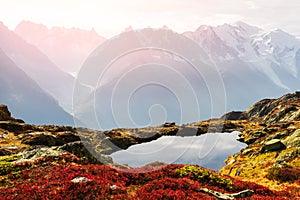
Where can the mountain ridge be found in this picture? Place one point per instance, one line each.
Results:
(38, 67)
(24, 96)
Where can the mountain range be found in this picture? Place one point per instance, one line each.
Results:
(254, 64)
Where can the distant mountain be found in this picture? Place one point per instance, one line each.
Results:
(38, 67)
(26, 99)
(254, 63)
(67, 48)
(131, 92)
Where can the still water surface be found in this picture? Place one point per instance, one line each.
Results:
(209, 150)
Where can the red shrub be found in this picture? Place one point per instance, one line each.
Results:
(284, 174)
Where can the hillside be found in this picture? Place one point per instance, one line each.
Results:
(272, 157)
(53, 161)
(38, 67)
(24, 96)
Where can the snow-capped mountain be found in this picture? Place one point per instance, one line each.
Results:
(273, 53)
(67, 48)
(253, 63)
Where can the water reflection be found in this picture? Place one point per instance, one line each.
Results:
(209, 150)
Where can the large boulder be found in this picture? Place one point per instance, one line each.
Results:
(273, 145)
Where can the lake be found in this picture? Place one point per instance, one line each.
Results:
(209, 150)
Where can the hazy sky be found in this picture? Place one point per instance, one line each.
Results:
(109, 17)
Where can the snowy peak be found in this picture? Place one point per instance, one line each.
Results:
(242, 26)
(281, 39)
(274, 54)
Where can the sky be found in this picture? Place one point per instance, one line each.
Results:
(110, 17)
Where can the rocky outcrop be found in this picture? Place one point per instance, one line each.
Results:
(285, 108)
(273, 145)
(36, 153)
(5, 115)
(234, 115)
(49, 139)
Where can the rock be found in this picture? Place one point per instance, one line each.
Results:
(4, 113)
(273, 145)
(80, 180)
(16, 127)
(225, 196)
(156, 164)
(280, 135)
(169, 124)
(250, 137)
(234, 115)
(250, 140)
(38, 152)
(50, 139)
(243, 194)
(293, 140)
(114, 187)
(283, 109)
(39, 139)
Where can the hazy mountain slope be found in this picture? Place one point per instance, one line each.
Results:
(26, 99)
(38, 67)
(67, 48)
(254, 64)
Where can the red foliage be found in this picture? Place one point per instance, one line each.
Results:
(171, 188)
(51, 178)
